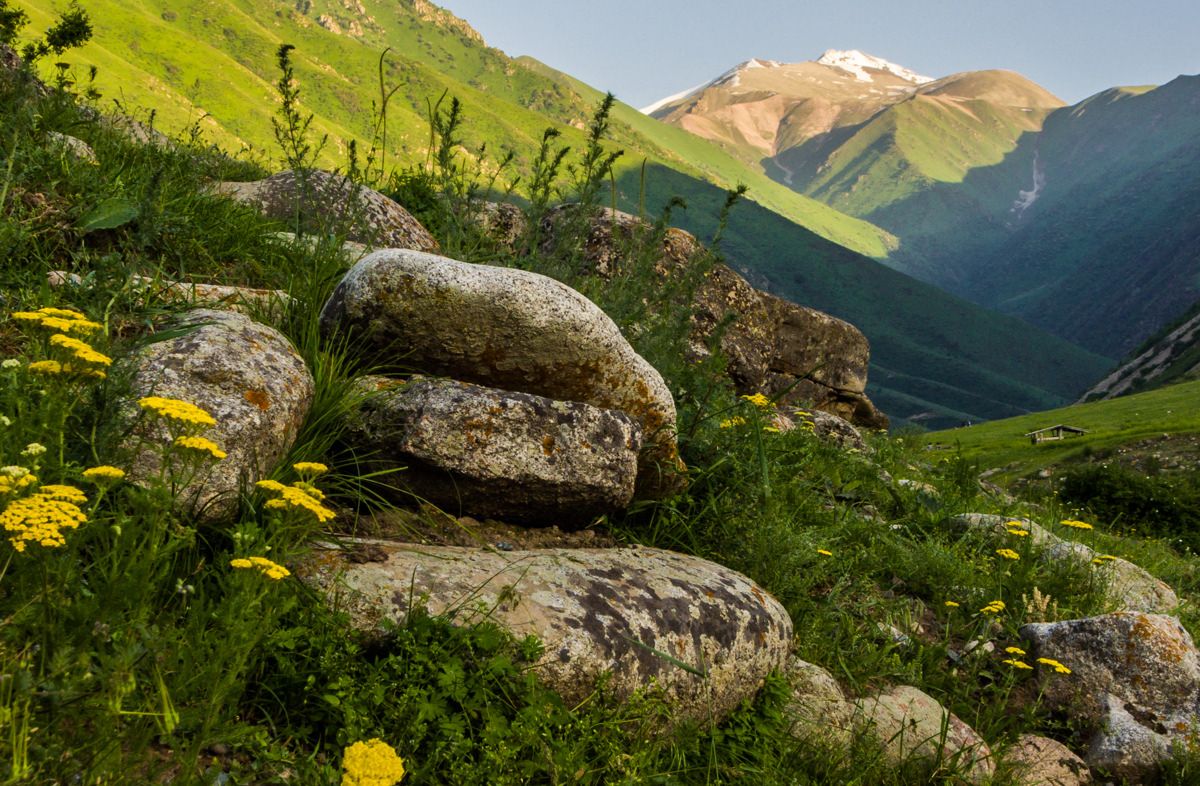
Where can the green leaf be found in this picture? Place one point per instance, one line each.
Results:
(109, 214)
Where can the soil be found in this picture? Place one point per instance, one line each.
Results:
(430, 526)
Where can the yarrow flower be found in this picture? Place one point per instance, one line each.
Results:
(310, 468)
(15, 479)
(82, 351)
(825, 552)
(298, 497)
(1052, 663)
(271, 570)
(104, 473)
(59, 319)
(33, 449)
(736, 420)
(174, 409)
(201, 445)
(1100, 559)
(758, 400)
(40, 519)
(62, 493)
(10, 363)
(1008, 554)
(1017, 664)
(1075, 524)
(951, 604)
(371, 763)
(1014, 650)
(1020, 533)
(995, 607)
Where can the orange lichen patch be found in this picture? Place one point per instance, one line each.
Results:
(258, 399)
(548, 445)
(1169, 647)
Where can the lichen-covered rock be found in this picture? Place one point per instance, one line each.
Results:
(999, 526)
(1041, 761)
(818, 709)
(1127, 586)
(508, 329)
(831, 428)
(621, 612)
(325, 200)
(74, 146)
(505, 223)
(490, 453)
(247, 300)
(246, 375)
(911, 725)
(1134, 683)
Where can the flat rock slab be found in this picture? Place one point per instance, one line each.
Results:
(625, 612)
(1134, 682)
(489, 453)
(248, 376)
(911, 725)
(508, 329)
(325, 200)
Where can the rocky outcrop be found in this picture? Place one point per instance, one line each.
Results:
(1171, 357)
(488, 452)
(792, 353)
(831, 428)
(1134, 684)
(326, 202)
(1041, 761)
(818, 709)
(701, 634)
(247, 376)
(74, 146)
(508, 329)
(910, 725)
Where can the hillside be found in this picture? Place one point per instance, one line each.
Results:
(1170, 356)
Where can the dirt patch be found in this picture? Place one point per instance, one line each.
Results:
(430, 526)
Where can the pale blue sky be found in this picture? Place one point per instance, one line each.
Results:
(643, 50)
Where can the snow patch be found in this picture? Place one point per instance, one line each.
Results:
(1025, 199)
(731, 78)
(856, 63)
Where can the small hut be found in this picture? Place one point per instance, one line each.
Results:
(1052, 433)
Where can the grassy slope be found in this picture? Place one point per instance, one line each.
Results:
(1109, 423)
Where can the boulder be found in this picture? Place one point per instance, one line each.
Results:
(247, 300)
(74, 146)
(913, 726)
(1127, 586)
(326, 200)
(505, 223)
(1041, 761)
(508, 329)
(246, 375)
(998, 525)
(634, 618)
(490, 453)
(831, 428)
(1134, 685)
(818, 709)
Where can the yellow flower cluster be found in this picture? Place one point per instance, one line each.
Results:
(371, 763)
(41, 518)
(1017, 664)
(758, 400)
(104, 473)
(825, 552)
(200, 445)
(951, 604)
(59, 319)
(995, 607)
(14, 479)
(80, 350)
(1016, 528)
(1100, 559)
(736, 420)
(1075, 524)
(298, 496)
(1052, 663)
(310, 468)
(1014, 650)
(271, 570)
(1008, 554)
(181, 412)
(62, 493)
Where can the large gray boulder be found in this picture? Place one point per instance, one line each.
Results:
(490, 453)
(818, 710)
(633, 614)
(508, 329)
(326, 201)
(1134, 685)
(1041, 761)
(913, 726)
(247, 376)
(1128, 587)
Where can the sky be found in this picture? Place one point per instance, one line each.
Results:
(643, 50)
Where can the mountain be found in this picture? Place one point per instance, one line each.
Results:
(1079, 219)
(211, 64)
(1171, 356)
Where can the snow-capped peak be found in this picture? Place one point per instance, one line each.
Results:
(729, 78)
(855, 62)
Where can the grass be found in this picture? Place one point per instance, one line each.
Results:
(138, 651)
(1111, 423)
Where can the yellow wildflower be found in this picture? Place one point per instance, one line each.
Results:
(310, 468)
(995, 607)
(62, 493)
(1020, 533)
(1058, 667)
(1017, 664)
(40, 519)
(104, 473)
(179, 411)
(294, 498)
(1008, 554)
(15, 479)
(951, 604)
(1075, 524)
(310, 490)
(1105, 557)
(371, 763)
(68, 313)
(825, 552)
(271, 485)
(736, 420)
(46, 367)
(1014, 650)
(758, 400)
(200, 445)
(271, 570)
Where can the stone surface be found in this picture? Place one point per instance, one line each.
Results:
(1134, 683)
(484, 452)
(1041, 761)
(243, 299)
(1128, 587)
(332, 200)
(246, 375)
(596, 611)
(911, 725)
(818, 709)
(76, 147)
(832, 429)
(505, 223)
(997, 525)
(508, 329)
